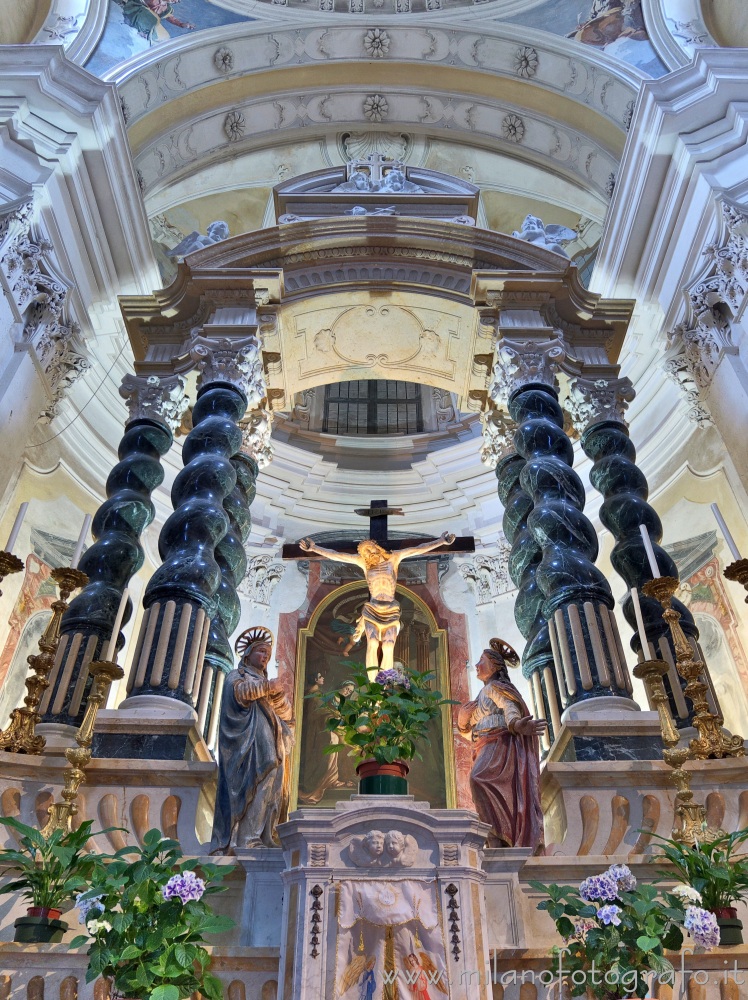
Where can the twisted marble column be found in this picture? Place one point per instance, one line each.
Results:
(156, 405)
(597, 409)
(586, 661)
(499, 453)
(232, 561)
(190, 601)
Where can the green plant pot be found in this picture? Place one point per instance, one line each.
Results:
(39, 930)
(382, 779)
(730, 928)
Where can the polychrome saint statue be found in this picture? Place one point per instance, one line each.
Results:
(505, 778)
(255, 741)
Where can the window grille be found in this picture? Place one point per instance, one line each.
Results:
(373, 406)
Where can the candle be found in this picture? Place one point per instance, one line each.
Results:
(640, 622)
(723, 528)
(111, 651)
(81, 539)
(650, 552)
(16, 527)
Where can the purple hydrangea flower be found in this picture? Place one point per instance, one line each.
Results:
(390, 678)
(186, 886)
(595, 887)
(622, 874)
(88, 908)
(702, 926)
(609, 914)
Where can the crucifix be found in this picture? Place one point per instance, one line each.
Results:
(380, 617)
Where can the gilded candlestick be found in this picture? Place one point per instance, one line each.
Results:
(9, 564)
(21, 735)
(712, 741)
(738, 571)
(690, 817)
(652, 673)
(61, 813)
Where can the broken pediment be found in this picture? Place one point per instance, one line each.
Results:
(376, 186)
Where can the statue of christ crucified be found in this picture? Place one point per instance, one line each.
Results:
(380, 618)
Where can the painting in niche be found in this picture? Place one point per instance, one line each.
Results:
(615, 27)
(30, 613)
(327, 778)
(134, 26)
(703, 591)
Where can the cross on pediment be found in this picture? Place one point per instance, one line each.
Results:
(376, 165)
(379, 512)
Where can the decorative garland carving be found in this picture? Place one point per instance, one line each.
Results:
(696, 346)
(40, 298)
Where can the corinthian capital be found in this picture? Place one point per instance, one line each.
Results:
(155, 397)
(236, 362)
(519, 363)
(593, 400)
(498, 437)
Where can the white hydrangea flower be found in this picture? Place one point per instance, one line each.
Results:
(686, 892)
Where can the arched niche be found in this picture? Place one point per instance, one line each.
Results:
(321, 645)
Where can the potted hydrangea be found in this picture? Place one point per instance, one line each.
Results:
(146, 915)
(616, 931)
(381, 722)
(713, 876)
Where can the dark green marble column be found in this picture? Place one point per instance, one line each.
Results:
(597, 408)
(116, 555)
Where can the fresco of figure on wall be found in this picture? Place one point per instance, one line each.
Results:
(145, 16)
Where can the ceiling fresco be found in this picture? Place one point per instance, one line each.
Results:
(615, 27)
(134, 26)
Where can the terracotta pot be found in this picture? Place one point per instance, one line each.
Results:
(44, 911)
(382, 779)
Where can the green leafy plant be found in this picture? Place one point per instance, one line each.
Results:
(49, 870)
(146, 915)
(616, 932)
(382, 719)
(710, 868)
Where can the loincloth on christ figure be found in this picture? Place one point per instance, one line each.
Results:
(380, 617)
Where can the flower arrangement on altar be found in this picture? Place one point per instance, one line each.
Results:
(713, 876)
(616, 931)
(146, 915)
(383, 718)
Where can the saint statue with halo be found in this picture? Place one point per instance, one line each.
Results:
(505, 778)
(255, 739)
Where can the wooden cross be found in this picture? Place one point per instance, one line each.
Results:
(378, 512)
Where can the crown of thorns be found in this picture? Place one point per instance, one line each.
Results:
(505, 651)
(251, 637)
